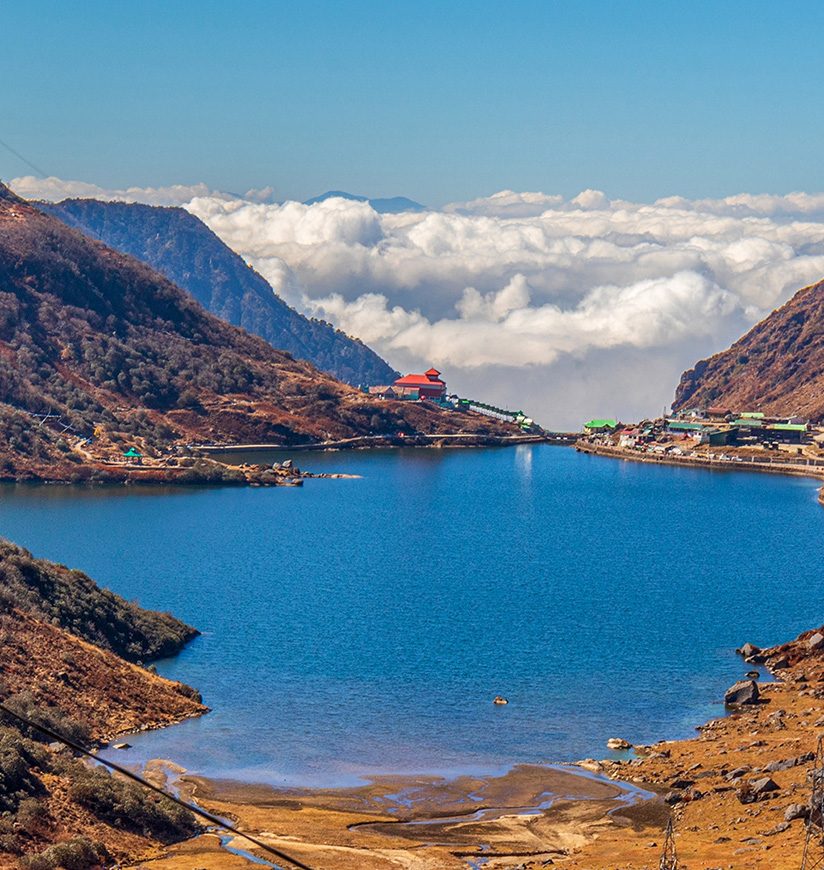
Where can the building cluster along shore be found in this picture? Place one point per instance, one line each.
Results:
(714, 438)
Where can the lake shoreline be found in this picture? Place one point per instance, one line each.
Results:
(530, 813)
(586, 815)
(785, 468)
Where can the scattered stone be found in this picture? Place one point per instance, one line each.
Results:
(672, 797)
(778, 829)
(788, 763)
(737, 773)
(796, 811)
(780, 663)
(618, 744)
(742, 692)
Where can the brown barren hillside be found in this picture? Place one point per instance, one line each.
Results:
(777, 367)
(95, 343)
(63, 665)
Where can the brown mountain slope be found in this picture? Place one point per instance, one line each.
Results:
(54, 810)
(97, 343)
(777, 367)
(68, 643)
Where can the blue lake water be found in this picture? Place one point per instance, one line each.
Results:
(355, 627)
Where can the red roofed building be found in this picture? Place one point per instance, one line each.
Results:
(427, 386)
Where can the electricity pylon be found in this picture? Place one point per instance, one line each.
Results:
(813, 858)
(669, 857)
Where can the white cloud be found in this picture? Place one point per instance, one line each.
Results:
(55, 189)
(564, 307)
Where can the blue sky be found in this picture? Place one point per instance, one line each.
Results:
(437, 101)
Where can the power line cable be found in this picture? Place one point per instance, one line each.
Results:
(28, 163)
(214, 820)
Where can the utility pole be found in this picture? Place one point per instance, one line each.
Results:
(813, 858)
(669, 857)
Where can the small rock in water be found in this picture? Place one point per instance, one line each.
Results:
(500, 700)
(618, 744)
(121, 746)
(748, 649)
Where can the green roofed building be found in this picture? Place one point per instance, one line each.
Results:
(752, 415)
(749, 422)
(606, 425)
(684, 426)
(789, 433)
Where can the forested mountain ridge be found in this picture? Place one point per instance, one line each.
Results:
(183, 249)
(96, 346)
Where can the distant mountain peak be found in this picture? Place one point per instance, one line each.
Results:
(382, 205)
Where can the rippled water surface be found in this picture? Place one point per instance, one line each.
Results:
(362, 626)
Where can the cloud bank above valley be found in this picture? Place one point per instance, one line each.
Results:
(566, 307)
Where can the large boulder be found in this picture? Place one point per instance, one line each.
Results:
(816, 642)
(759, 789)
(764, 786)
(743, 692)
